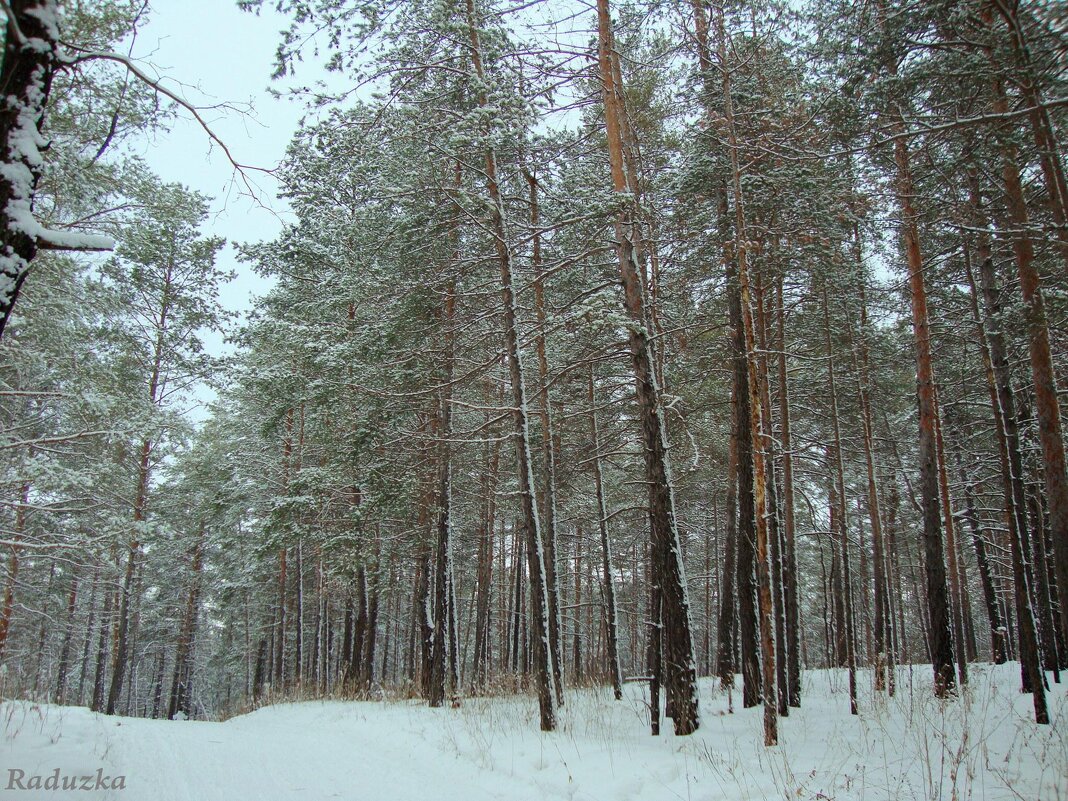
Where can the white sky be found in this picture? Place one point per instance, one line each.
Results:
(220, 54)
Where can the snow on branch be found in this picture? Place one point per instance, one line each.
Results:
(51, 239)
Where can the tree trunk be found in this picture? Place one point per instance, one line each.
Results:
(548, 449)
(1008, 439)
(88, 641)
(97, 704)
(423, 608)
(998, 631)
(30, 59)
(846, 599)
(278, 671)
(539, 591)
(654, 653)
(934, 551)
(444, 610)
(1042, 130)
(883, 655)
(13, 567)
(63, 665)
(157, 685)
(793, 611)
(611, 614)
(776, 547)
(183, 670)
(1047, 409)
(955, 594)
(484, 588)
(679, 669)
(119, 656)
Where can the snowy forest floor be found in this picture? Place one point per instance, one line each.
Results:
(980, 746)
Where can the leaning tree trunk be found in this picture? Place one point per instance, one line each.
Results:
(1047, 409)
(998, 631)
(1002, 405)
(680, 672)
(539, 590)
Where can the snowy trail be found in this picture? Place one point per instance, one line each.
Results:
(292, 751)
(981, 747)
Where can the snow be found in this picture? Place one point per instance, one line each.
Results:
(982, 746)
(23, 156)
(75, 240)
(23, 161)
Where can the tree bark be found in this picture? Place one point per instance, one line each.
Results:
(30, 60)
(63, 664)
(846, 599)
(679, 668)
(611, 614)
(444, 604)
(548, 449)
(793, 610)
(539, 592)
(180, 686)
(934, 551)
(1047, 409)
(1011, 461)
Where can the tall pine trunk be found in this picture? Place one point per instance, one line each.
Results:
(934, 551)
(759, 433)
(792, 610)
(680, 672)
(180, 686)
(611, 614)
(842, 533)
(539, 589)
(548, 445)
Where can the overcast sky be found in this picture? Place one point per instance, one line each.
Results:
(212, 52)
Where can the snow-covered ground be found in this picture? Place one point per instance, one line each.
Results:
(981, 746)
